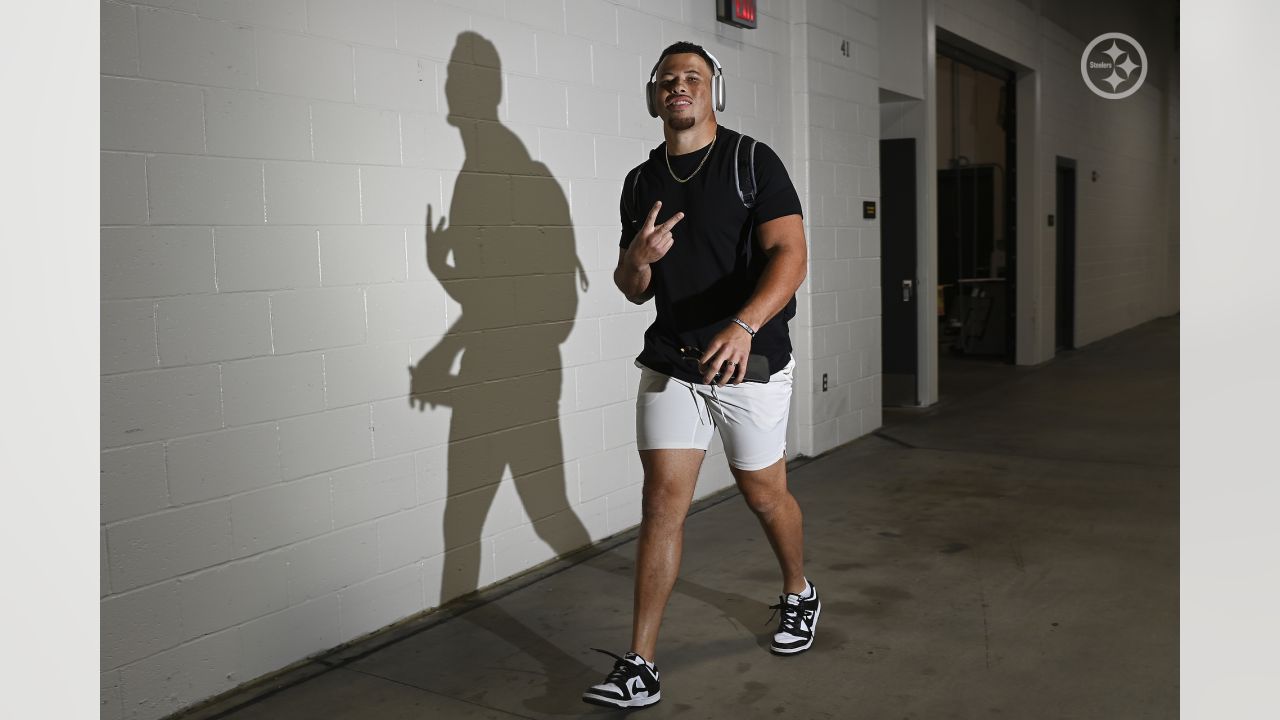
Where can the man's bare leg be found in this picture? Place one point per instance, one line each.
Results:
(669, 479)
(767, 495)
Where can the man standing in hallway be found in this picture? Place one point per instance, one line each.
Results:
(712, 231)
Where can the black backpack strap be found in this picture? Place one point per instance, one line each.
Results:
(631, 196)
(744, 172)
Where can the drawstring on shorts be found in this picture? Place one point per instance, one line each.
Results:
(699, 405)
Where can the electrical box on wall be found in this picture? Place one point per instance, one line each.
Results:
(738, 13)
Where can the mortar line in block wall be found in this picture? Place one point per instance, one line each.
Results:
(320, 258)
(324, 379)
(155, 334)
(168, 488)
(360, 192)
(333, 528)
(263, 187)
(400, 135)
(146, 184)
(106, 545)
(222, 406)
(364, 298)
(213, 241)
(271, 331)
(373, 451)
(204, 122)
(404, 237)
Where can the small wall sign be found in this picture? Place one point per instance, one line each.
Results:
(738, 13)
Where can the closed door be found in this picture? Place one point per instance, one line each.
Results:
(898, 284)
(1066, 260)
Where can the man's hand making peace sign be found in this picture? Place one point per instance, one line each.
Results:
(652, 242)
(633, 276)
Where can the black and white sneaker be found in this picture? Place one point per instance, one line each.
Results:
(799, 621)
(632, 683)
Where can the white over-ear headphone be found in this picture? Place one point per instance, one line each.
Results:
(717, 85)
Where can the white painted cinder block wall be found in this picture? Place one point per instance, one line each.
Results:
(838, 317)
(268, 492)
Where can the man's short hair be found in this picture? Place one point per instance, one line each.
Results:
(683, 46)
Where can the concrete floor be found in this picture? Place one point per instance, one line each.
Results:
(1009, 553)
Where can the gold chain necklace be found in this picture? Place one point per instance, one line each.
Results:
(700, 164)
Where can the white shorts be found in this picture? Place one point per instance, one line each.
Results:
(752, 417)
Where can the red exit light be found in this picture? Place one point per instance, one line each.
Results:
(739, 13)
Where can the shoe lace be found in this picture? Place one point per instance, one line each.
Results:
(790, 615)
(621, 669)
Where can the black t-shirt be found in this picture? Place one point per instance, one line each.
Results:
(715, 261)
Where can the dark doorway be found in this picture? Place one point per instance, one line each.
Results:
(977, 207)
(1066, 275)
(898, 285)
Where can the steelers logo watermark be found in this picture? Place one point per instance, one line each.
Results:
(1114, 66)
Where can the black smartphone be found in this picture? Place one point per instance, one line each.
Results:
(757, 365)
(757, 368)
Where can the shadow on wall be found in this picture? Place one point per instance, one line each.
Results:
(505, 253)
